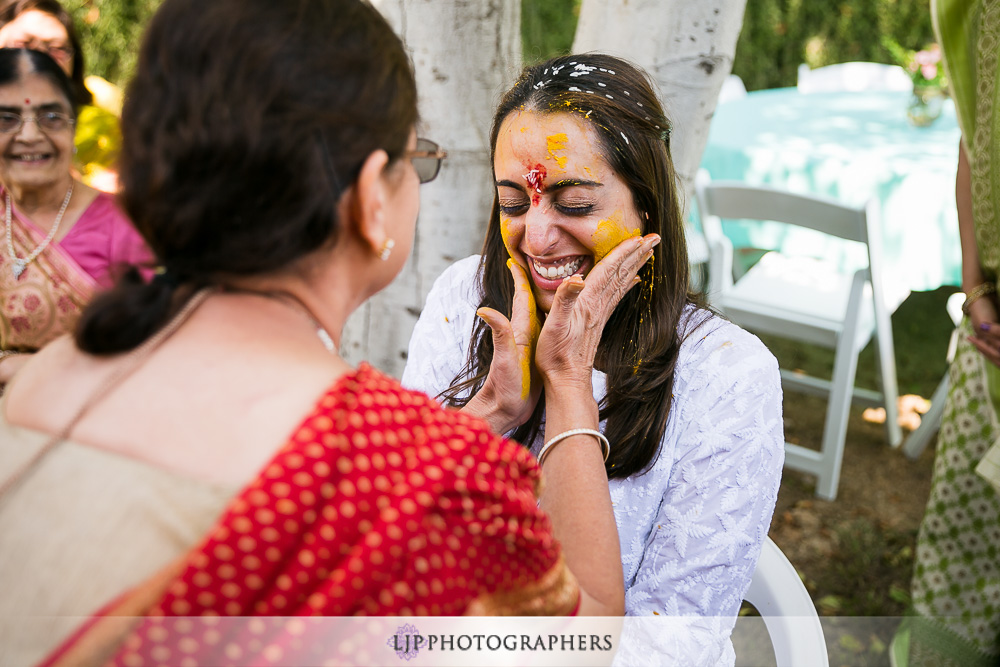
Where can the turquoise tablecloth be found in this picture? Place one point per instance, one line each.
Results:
(850, 146)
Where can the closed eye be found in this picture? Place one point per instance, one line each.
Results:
(575, 209)
(513, 207)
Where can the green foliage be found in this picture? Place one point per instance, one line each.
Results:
(547, 28)
(97, 138)
(778, 35)
(111, 31)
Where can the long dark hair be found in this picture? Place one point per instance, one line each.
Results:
(14, 8)
(38, 63)
(245, 123)
(640, 343)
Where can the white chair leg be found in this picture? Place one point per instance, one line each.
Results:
(885, 353)
(835, 428)
(929, 423)
(845, 365)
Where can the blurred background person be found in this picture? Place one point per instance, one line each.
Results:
(956, 579)
(45, 25)
(63, 239)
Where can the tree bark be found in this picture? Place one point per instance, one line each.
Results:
(687, 46)
(465, 53)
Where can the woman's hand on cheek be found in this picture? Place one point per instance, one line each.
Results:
(512, 387)
(568, 341)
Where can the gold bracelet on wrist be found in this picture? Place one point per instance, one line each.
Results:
(976, 293)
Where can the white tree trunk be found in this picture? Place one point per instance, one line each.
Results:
(687, 46)
(465, 53)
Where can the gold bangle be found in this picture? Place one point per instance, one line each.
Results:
(976, 293)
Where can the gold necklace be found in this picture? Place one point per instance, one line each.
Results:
(21, 264)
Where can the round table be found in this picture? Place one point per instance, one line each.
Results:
(851, 146)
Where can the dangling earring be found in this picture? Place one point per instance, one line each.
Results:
(386, 249)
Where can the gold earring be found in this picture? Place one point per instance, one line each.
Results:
(386, 249)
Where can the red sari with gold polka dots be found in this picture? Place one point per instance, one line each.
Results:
(381, 503)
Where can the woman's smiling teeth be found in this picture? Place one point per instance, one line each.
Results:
(557, 272)
(31, 157)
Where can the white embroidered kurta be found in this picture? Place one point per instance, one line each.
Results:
(692, 526)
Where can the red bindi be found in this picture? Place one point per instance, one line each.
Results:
(27, 101)
(535, 177)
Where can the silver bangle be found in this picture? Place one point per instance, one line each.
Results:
(8, 353)
(605, 445)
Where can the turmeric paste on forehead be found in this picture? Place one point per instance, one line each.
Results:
(557, 142)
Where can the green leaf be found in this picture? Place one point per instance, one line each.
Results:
(830, 603)
(851, 643)
(899, 594)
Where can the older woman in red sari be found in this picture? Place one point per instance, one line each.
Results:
(201, 449)
(63, 239)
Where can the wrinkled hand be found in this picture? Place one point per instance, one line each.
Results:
(568, 341)
(512, 387)
(985, 328)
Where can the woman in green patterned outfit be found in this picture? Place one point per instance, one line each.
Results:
(956, 582)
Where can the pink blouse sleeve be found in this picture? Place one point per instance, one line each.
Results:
(128, 247)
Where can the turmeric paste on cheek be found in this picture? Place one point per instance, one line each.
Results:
(505, 234)
(610, 232)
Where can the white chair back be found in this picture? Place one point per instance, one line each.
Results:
(802, 298)
(735, 200)
(780, 597)
(853, 77)
(732, 89)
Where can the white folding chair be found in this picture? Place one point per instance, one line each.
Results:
(914, 445)
(853, 77)
(783, 602)
(808, 300)
(732, 89)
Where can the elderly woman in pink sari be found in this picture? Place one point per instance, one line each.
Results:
(63, 240)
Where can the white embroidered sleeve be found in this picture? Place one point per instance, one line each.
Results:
(439, 344)
(727, 457)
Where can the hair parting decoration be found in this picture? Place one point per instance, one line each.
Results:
(234, 166)
(639, 345)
